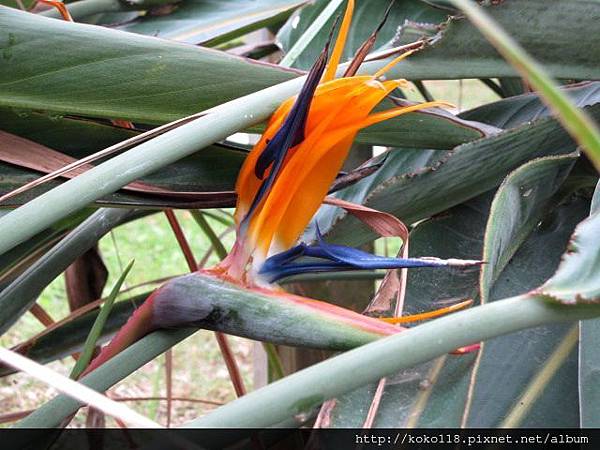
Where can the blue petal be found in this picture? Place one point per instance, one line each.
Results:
(333, 258)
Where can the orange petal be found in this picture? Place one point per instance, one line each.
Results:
(428, 314)
(339, 43)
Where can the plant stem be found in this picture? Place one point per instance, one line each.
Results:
(305, 389)
(74, 389)
(181, 240)
(96, 331)
(275, 363)
(301, 391)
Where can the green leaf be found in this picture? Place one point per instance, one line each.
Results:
(18, 297)
(216, 243)
(366, 18)
(577, 279)
(520, 203)
(574, 119)
(514, 111)
(210, 303)
(432, 129)
(525, 237)
(304, 390)
(149, 156)
(511, 86)
(97, 328)
(467, 171)
(68, 337)
(213, 22)
(90, 72)
(300, 392)
(547, 34)
(75, 137)
(20, 257)
(589, 359)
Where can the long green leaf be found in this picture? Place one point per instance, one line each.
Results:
(144, 159)
(15, 261)
(522, 200)
(546, 33)
(235, 311)
(506, 366)
(205, 179)
(214, 125)
(300, 392)
(514, 111)
(581, 127)
(210, 23)
(96, 331)
(435, 394)
(310, 32)
(90, 72)
(75, 390)
(580, 263)
(416, 396)
(72, 136)
(51, 414)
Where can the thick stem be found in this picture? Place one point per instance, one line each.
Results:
(346, 372)
(306, 389)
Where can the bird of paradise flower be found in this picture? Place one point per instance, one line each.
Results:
(281, 185)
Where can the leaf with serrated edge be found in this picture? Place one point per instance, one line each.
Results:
(589, 358)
